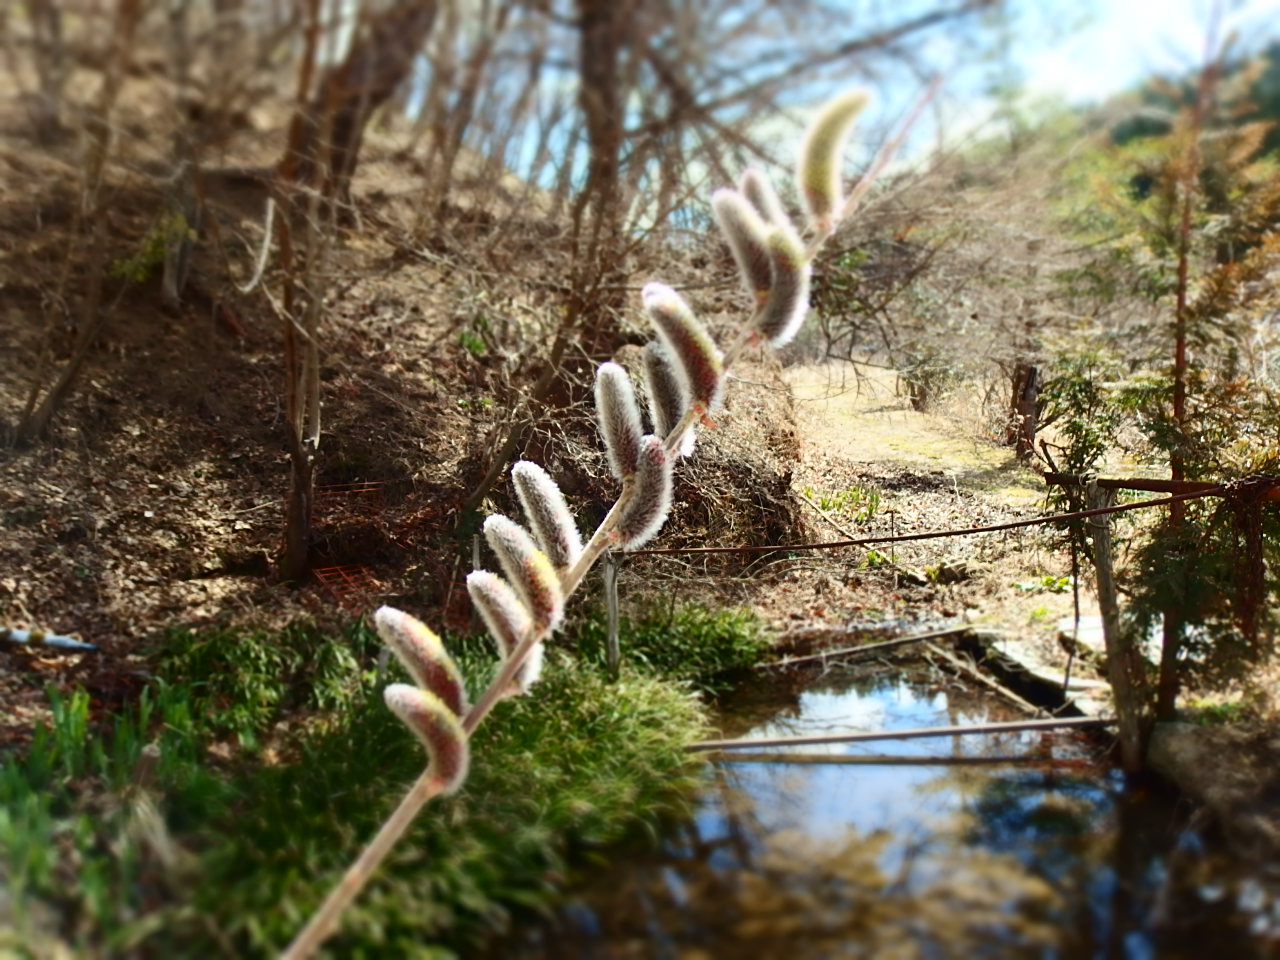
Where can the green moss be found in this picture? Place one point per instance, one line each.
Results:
(1212, 713)
(578, 764)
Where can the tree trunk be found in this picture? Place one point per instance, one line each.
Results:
(1170, 645)
(1024, 403)
(293, 264)
(323, 150)
(1174, 612)
(50, 59)
(464, 106)
(433, 116)
(379, 61)
(297, 535)
(605, 27)
(89, 232)
(597, 283)
(36, 419)
(1125, 668)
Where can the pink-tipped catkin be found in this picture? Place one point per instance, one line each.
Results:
(699, 362)
(507, 620)
(503, 611)
(423, 655)
(788, 302)
(651, 500)
(438, 728)
(528, 570)
(744, 231)
(667, 398)
(548, 514)
(619, 419)
(818, 173)
(758, 190)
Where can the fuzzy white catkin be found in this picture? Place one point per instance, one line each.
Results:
(423, 655)
(507, 620)
(528, 570)
(651, 499)
(438, 728)
(757, 188)
(699, 362)
(788, 301)
(818, 173)
(619, 419)
(745, 233)
(667, 398)
(548, 514)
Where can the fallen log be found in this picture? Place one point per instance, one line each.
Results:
(973, 673)
(1016, 726)
(899, 760)
(866, 648)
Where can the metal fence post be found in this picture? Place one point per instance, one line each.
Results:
(612, 646)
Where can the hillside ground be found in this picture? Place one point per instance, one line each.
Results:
(156, 500)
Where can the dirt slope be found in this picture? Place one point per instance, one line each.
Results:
(861, 442)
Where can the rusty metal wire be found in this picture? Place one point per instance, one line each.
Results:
(1215, 490)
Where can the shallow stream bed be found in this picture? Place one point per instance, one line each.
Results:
(1009, 845)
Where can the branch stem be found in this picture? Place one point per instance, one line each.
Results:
(323, 922)
(426, 787)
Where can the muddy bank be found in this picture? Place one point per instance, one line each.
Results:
(1234, 773)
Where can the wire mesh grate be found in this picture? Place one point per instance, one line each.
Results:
(351, 584)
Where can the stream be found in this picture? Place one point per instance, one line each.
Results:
(1009, 845)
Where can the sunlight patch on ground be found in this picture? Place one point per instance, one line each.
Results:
(856, 413)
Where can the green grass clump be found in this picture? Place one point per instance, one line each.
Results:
(1211, 713)
(147, 259)
(857, 504)
(1047, 583)
(241, 682)
(577, 764)
(127, 838)
(83, 844)
(698, 645)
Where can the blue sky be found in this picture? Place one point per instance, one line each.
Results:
(1072, 51)
(1115, 44)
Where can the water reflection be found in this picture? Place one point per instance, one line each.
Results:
(1047, 857)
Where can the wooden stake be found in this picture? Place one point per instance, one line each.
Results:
(612, 644)
(1124, 662)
